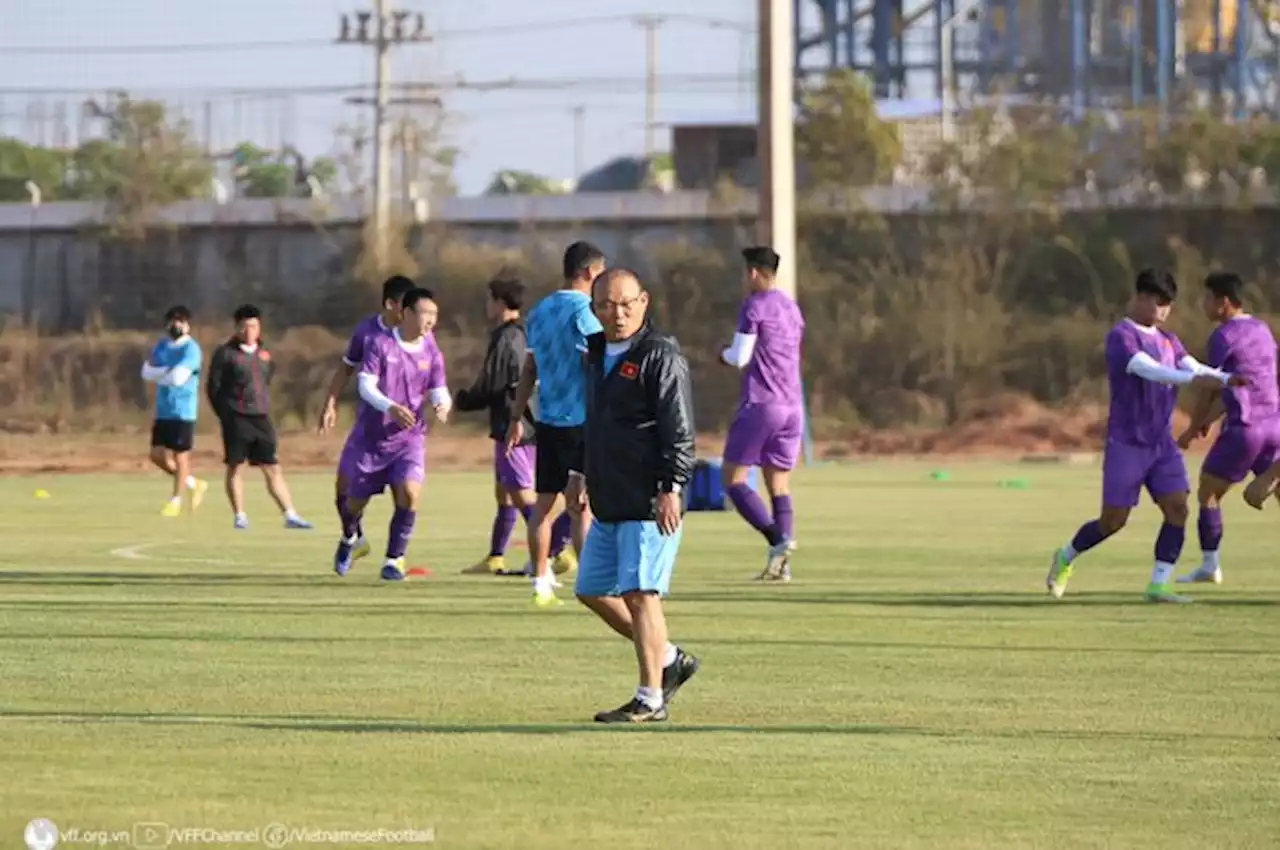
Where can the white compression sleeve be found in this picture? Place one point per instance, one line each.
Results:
(1194, 366)
(152, 373)
(367, 385)
(739, 354)
(1146, 367)
(177, 376)
(439, 396)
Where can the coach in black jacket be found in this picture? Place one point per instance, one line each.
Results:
(639, 458)
(238, 389)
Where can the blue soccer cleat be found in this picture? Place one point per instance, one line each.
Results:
(342, 557)
(393, 570)
(297, 522)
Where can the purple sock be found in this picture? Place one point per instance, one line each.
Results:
(782, 515)
(752, 509)
(1169, 543)
(1089, 535)
(504, 522)
(561, 533)
(401, 530)
(526, 512)
(350, 521)
(1209, 525)
(341, 503)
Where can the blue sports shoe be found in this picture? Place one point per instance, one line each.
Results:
(296, 521)
(342, 557)
(393, 570)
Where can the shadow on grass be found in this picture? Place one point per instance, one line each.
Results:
(694, 643)
(352, 725)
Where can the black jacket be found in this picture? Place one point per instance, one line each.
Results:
(238, 381)
(639, 429)
(495, 386)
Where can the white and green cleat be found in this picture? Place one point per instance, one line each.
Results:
(1059, 574)
(1163, 593)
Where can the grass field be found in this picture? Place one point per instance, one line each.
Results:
(913, 688)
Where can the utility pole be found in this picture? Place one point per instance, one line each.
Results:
(650, 25)
(389, 29)
(776, 221)
(579, 135)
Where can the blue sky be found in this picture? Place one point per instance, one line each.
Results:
(527, 129)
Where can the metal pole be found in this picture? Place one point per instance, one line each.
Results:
(1243, 14)
(1136, 50)
(776, 222)
(579, 137)
(650, 23)
(1164, 56)
(945, 55)
(381, 138)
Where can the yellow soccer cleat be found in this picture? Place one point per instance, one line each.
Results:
(361, 549)
(546, 598)
(171, 509)
(489, 566)
(197, 493)
(565, 562)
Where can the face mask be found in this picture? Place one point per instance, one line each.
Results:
(176, 332)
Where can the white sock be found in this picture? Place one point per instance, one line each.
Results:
(651, 697)
(1210, 563)
(1161, 573)
(350, 541)
(191, 482)
(291, 514)
(242, 515)
(544, 584)
(1069, 552)
(669, 655)
(175, 500)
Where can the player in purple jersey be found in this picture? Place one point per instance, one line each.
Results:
(372, 327)
(768, 428)
(401, 376)
(1145, 366)
(1250, 437)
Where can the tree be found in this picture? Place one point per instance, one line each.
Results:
(840, 139)
(513, 182)
(261, 173)
(20, 163)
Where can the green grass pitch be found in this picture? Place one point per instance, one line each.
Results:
(913, 688)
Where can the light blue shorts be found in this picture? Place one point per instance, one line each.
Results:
(621, 557)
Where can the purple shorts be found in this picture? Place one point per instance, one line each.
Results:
(351, 452)
(514, 471)
(765, 435)
(1241, 449)
(1127, 468)
(375, 471)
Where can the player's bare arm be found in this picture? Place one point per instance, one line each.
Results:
(524, 392)
(1205, 410)
(329, 413)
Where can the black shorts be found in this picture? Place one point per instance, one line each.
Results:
(559, 450)
(248, 438)
(173, 434)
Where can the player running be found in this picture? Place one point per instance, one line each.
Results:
(768, 428)
(558, 328)
(400, 376)
(238, 388)
(494, 389)
(1250, 437)
(1145, 365)
(174, 366)
(382, 323)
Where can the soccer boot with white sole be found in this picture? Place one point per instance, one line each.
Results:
(1202, 575)
(544, 595)
(778, 562)
(633, 712)
(675, 674)
(1059, 574)
(196, 494)
(297, 523)
(343, 556)
(1163, 593)
(171, 509)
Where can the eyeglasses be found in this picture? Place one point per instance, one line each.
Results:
(620, 306)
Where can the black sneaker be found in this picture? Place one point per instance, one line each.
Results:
(677, 673)
(633, 712)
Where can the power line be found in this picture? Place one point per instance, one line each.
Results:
(676, 83)
(497, 30)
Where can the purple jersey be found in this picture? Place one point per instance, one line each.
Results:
(369, 328)
(1140, 409)
(406, 374)
(773, 375)
(1245, 346)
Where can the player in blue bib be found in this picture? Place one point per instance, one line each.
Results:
(174, 367)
